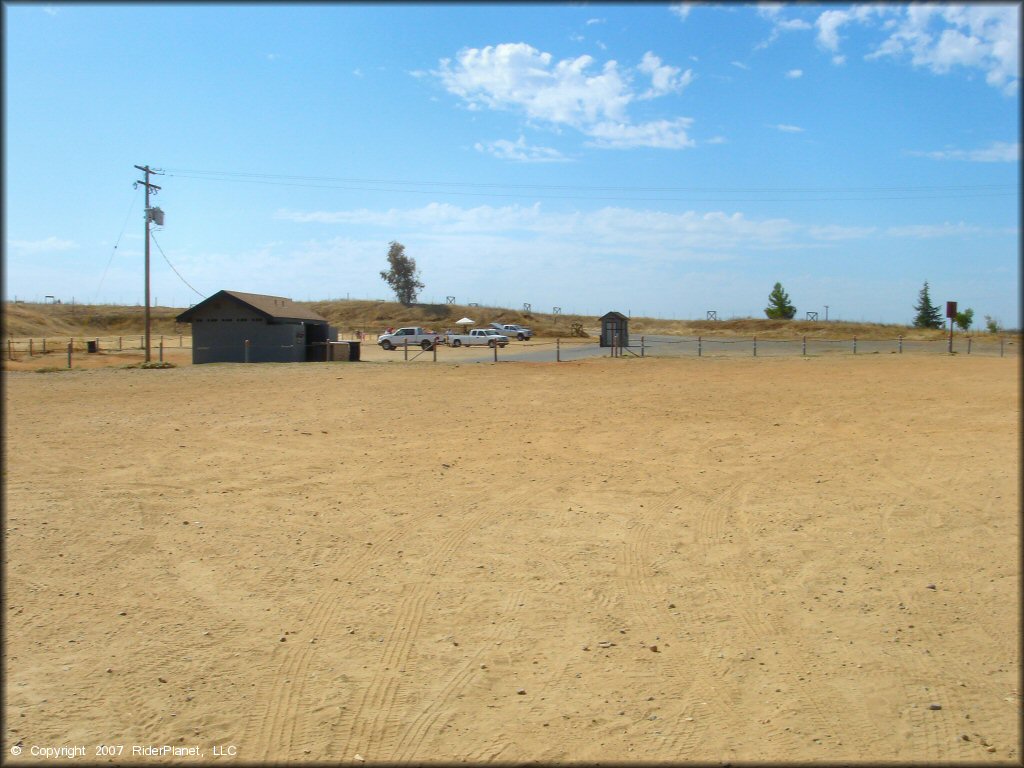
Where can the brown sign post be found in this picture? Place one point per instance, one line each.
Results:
(951, 314)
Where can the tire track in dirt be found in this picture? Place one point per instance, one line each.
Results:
(676, 664)
(382, 692)
(275, 727)
(415, 733)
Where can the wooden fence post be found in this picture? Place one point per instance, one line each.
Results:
(405, 348)
(755, 346)
(700, 345)
(118, 343)
(855, 345)
(44, 345)
(643, 349)
(901, 343)
(161, 349)
(71, 345)
(558, 350)
(495, 351)
(803, 350)
(1000, 346)
(10, 350)
(968, 345)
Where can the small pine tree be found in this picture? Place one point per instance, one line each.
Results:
(402, 277)
(928, 315)
(779, 307)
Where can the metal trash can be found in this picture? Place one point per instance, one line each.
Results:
(92, 346)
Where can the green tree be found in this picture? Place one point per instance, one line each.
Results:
(779, 307)
(402, 276)
(928, 315)
(991, 324)
(964, 319)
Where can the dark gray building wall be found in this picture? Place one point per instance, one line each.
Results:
(222, 340)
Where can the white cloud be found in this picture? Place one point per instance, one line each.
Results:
(941, 37)
(793, 74)
(615, 229)
(661, 134)
(591, 22)
(928, 231)
(773, 13)
(518, 77)
(664, 79)
(739, 65)
(520, 151)
(48, 245)
(996, 152)
(682, 10)
(837, 232)
(49, 10)
(789, 128)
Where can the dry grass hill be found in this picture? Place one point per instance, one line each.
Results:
(36, 320)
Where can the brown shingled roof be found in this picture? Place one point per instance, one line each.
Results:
(273, 307)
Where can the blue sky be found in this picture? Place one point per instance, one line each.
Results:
(653, 159)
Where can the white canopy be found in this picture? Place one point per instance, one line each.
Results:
(465, 321)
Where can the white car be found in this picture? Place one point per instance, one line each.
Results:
(513, 330)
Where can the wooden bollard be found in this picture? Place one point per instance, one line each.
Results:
(71, 345)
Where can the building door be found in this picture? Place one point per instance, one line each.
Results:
(316, 342)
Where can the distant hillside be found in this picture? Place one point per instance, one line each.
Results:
(24, 319)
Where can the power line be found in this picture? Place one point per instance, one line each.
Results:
(113, 251)
(711, 194)
(186, 282)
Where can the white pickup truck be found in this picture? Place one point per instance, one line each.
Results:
(412, 336)
(513, 330)
(487, 336)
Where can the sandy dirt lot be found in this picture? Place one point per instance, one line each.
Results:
(620, 560)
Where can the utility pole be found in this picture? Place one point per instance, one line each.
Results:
(826, 313)
(149, 217)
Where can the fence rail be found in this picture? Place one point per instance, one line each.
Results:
(567, 349)
(700, 346)
(38, 346)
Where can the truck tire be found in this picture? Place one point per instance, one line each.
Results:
(457, 342)
(426, 344)
(387, 345)
(521, 337)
